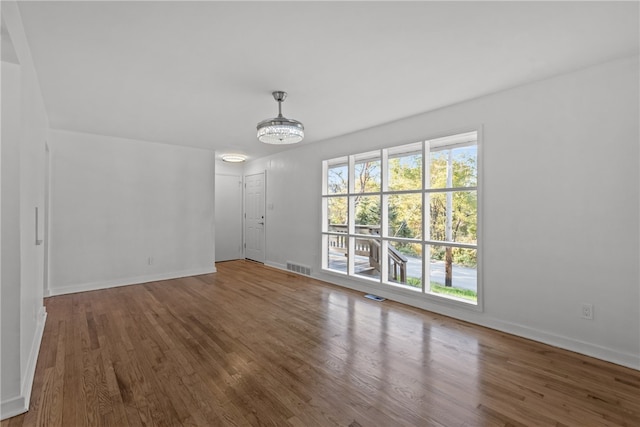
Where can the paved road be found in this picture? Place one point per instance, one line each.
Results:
(462, 277)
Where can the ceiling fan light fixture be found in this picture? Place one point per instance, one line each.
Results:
(280, 130)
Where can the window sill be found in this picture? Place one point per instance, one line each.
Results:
(397, 292)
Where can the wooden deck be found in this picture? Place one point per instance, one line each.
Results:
(251, 345)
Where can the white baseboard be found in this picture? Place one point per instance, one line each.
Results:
(276, 265)
(628, 360)
(20, 404)
(94, 286)
(12, 407)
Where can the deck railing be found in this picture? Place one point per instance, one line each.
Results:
(369, 247)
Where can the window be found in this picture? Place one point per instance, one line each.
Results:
(406, 217)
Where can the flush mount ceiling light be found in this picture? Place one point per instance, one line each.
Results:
(280, 130)
(234, 158)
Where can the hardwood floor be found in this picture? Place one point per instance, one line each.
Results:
(251, 345)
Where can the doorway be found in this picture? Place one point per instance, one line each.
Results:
(254, 209)
(228, 217)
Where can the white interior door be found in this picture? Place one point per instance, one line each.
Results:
(228, 213)
(254, 217)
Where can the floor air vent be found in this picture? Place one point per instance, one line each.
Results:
(297, 268)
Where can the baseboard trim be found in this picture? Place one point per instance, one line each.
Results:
(12, 407)
(94, 286)
(20, 404)
(628, 360)
(278, 266)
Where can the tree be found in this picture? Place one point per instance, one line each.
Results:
(367, 180)
(337, 179)
(453, 215)
(368, 211)
(405, 210)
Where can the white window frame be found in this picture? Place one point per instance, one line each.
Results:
(380, 283)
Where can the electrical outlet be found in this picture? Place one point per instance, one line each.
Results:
(587, 311)
(150, 260)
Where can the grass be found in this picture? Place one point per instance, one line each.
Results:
(437, 288)
(468, 294)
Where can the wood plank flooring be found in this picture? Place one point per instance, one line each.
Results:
(254, 346)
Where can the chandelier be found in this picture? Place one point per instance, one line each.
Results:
(280, 130)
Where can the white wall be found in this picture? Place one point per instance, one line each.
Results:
(560, 207)
(22, 277)
(116, 203)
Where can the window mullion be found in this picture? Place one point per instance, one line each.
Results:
(351, 217)
(384, 212)
(350, 196)
(426, 215)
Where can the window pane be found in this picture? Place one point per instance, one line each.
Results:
(437, 216)
(464, 172)
(453, 272)
(337, 179)
(405, 215)
(453, 216)
(367, 211)
(367, 258)
(405, 167)
(405, 264)
(367, 174)
(424, 215)
(337, 214)
(337, 252)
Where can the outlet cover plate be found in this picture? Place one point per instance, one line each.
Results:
(587, 311)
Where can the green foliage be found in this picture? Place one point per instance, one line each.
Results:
(367, 210)
(405, 173)
(405, 210)
(405, 215)
(437, 288)
(463, 165)
(414, 282)
(367, 176)
(337, 207)
(468, 294)
(465, 257)
(461, 256)
(464, 204)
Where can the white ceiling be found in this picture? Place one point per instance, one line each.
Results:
(201, 74)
